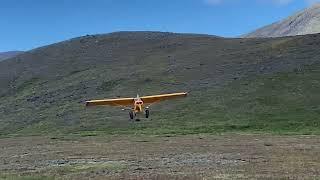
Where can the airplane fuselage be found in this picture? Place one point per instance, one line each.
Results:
(138, 108)
(138, 105)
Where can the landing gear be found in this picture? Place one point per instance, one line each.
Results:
(132, 115)
(147, 113)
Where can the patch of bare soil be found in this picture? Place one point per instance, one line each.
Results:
(180, 157)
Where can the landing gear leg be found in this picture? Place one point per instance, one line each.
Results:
(131, 115)
(147, 113)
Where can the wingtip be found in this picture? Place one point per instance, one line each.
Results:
(186, 93)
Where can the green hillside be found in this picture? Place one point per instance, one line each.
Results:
(235, 85)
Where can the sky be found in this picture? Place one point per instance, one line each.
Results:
(28, 24)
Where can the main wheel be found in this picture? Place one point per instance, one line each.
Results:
(147, 113)
(131, 115)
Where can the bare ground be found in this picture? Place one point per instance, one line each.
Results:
(178, 157)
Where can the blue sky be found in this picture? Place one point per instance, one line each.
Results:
(27, 24)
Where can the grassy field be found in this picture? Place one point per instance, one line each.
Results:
(282, 103)
(235, 85)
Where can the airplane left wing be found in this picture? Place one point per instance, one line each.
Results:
(111, 102)
(157, 98)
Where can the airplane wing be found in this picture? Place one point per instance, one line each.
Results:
(157, 98)
(111, 102)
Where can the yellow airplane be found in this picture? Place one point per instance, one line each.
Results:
(137, 104)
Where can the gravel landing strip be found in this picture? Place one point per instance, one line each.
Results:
(177, 157)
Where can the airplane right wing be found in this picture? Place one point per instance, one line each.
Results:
(162, 97)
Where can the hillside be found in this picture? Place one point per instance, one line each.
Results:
(235, 85)
(301, 23)
(9, 54)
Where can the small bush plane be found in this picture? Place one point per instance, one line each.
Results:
(137, 104)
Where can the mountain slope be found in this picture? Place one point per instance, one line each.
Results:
(9, 54)
(229, 80)
(304, 22)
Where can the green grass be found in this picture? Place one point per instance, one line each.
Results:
(283, 103)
